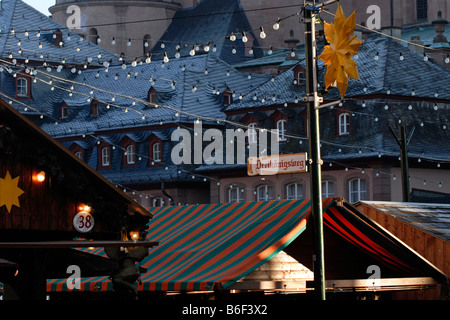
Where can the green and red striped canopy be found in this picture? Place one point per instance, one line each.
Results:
(201, 246)
(208, 245)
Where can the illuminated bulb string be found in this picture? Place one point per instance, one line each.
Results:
(176, 111)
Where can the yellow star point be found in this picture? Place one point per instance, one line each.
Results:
(10, 192)
(337, 55)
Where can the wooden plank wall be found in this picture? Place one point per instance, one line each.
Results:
(435, 250)
(43, 207)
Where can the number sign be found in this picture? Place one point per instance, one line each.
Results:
(83, 222)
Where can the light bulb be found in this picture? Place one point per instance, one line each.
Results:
(129, 43)
(262, 34)
(113, 41)
(166, 58)
(148, 59)
(276, 26)
(192, 52)
(244, 37)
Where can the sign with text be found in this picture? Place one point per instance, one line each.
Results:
(277, 164)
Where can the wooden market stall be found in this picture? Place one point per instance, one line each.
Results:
(49, 202)
(425, 227)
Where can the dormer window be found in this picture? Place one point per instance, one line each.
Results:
(155, 150)
(77, 150)
(57, 38)
(280, 123)
(129, 156)
(281, 127)
(23, 87)
(344, 124)
(64, 111)
(299, 76)
(103, 156)
(227, 97)
(94, 108)
(106, 155)
(152, 96)
(252, 134)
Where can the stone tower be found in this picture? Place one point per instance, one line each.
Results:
(128, 27)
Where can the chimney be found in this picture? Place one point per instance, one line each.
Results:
(439, 27)
(440, 48)
(393, 31)
(416, 49)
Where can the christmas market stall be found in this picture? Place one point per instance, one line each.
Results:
(52, 203)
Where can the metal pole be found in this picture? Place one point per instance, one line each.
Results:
(403, 143)
(312, 101)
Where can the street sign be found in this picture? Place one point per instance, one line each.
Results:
(277, 164)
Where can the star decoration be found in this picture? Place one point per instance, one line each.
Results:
(9, 192)
(337, 55)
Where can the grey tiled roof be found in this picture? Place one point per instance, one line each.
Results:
(21, 17)
(208, 21)
(185, 72)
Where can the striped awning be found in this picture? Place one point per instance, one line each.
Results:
(208, 245)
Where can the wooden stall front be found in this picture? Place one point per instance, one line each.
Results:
(47, 195)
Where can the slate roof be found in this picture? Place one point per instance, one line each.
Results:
(208, 20)
(390, 91)
(185, 72)
(431, 218)
(411, 77)
(22, 17)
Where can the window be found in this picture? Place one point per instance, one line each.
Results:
(106, 155)
(227, 97)
(93, 35)
(300, 78)
(327, 189)
(22, 87)
(131, 154)
(57, 38)
(422, 9)
(158, 202)
(281, 126)
(157, 152)
(94, 108)
(299, 75)
(77, 150)
(344, 124)
(252, 134)
(357, 190)
(152, 96)
(264, 193)
(294, 191)
(64, 111)
(235, 194)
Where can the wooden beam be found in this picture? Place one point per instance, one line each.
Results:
(381, 284)
(269, 285)
(74, 244)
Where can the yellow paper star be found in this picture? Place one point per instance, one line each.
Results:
(9, 192)
(337, 55)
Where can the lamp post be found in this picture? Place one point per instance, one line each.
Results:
(312, 102)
